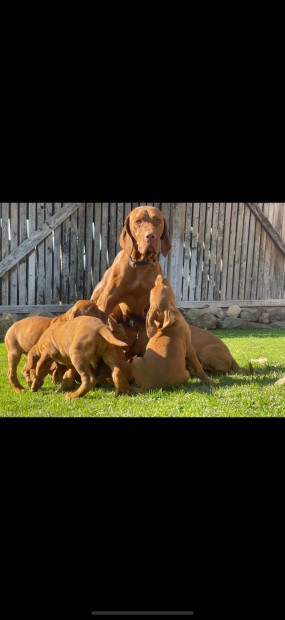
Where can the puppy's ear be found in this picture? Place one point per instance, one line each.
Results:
(169, 318)
(72, 313)
(126, 239)
(165, 241)
(90, 310)
(152, 325)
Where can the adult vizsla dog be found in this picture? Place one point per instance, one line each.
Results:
(24, 334)
(80, 345)
(170, 357)
(131, 277)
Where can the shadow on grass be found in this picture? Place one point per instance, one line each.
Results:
(193, 385)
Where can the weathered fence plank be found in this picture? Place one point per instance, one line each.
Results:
(213, 252)
(32, 257)
(187, 246)
(40, 255)
(74, 255)
(5, 251)
(48, 257)
(178, 220)
(65, 244)
(232, 243)
(200, 258)
(237, 262)
(255, 266)
(225, 255)
(97, 244)
(221, 222)
(207, 253)
(104, 238)
(194, 251)
(13, 276)
(251, 236)
(89, 244)
(57, 258)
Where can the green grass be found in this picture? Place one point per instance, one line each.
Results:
(236, 395)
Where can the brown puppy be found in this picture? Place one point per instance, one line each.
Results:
(24, 334)
(134, 330)
(169, 356)
(80, 345)
(213, 355)
(129, 280)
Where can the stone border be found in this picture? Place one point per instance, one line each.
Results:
(235, 317)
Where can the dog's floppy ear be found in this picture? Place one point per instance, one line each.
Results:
(72, 313)
(152, 324)
(165, 241)
(126, 239)
(168, 318)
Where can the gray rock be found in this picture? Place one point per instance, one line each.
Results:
(280, 324)
(202, 318)
(233, 323)
(233, 312)
(250, 314)
(277, 315)
(264, 318)
(218, 312)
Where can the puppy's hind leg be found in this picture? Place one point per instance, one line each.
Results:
(194, 367)
(14, 357)
(42, 370)
(88, 379)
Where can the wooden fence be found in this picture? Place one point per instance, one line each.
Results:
(54, 253)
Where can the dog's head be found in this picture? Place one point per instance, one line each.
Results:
(85, 307)
(163, 310)
(144, 232)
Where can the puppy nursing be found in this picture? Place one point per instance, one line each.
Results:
(169, 358)
(24, 334)
(80, 345)
(212, 353)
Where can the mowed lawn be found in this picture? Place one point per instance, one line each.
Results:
(235, 395)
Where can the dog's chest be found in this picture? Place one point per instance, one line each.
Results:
(142, 280)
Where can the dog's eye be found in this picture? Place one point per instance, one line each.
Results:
(157, 220)
(138, 221)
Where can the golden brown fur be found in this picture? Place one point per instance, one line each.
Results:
(170, 357)
(80, 345)
(24, 334)
(212, 353)
(128, 281)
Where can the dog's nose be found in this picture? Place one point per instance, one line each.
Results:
(150, 235)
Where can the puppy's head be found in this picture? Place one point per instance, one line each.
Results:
(163, 310)
(85, 307)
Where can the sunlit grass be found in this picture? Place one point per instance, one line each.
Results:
(236, 395)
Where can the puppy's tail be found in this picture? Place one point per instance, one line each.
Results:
(107, 335)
